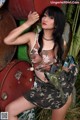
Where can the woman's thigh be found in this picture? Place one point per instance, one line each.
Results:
(59, 114)
(18, 106)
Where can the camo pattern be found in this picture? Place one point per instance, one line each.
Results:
(49, 95)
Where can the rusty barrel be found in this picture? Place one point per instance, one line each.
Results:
(7, 23)
(21, 8)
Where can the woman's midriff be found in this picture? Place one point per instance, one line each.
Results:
(41, 75)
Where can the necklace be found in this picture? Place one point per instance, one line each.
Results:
(47, 39)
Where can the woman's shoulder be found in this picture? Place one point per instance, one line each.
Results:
(31, 34)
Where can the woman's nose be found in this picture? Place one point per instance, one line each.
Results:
(45, 19)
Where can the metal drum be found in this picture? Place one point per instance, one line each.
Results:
(7, 23)
(21, 8)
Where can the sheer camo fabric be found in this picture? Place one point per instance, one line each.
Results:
(54, 93)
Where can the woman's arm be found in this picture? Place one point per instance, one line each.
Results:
(15, 37)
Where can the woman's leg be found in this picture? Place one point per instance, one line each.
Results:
(18, 106)
(59, 114)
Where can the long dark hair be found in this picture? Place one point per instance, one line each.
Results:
(59, 21)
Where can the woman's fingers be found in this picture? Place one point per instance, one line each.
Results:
(33, 17)
(65, 69)
(33, 14)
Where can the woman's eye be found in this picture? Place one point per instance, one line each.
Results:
(51, 17)
(44, 15)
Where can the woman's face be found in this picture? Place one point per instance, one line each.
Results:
(47, 22)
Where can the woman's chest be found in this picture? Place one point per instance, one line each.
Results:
(46, 56)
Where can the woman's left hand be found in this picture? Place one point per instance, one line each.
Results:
(67, 69)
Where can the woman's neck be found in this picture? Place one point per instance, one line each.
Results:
(48, 34)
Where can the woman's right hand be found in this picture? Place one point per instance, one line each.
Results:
(33, 17)
(15, 37)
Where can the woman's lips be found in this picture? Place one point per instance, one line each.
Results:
(44, 23)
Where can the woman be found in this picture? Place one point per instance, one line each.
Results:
(45, 51)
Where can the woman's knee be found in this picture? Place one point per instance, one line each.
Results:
(9, 109)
